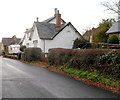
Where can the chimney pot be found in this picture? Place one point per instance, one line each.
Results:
(55, 11)
(37, 19)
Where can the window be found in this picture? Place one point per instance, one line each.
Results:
(35, 42)
(27, 45)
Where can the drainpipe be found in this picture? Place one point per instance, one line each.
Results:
(44, 46)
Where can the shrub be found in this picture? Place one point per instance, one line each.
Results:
(19, 55)
(113, 39)
(22, 48)
(109, 58)
(109, 64)
(80, 43)
(32, 54)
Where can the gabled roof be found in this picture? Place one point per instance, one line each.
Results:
(49, 31)
(9, 41)
(115, 28)
(51, 18)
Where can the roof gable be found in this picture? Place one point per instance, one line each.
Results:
(64, 26)
(48, 31)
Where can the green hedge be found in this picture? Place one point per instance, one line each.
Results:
(32, 54)
(106, 61)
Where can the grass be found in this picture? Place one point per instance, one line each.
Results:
(11, 56)
(94, 76)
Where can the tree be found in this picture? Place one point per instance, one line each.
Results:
(113, 6)
(113, 39)
(104, 26)
(22, 48)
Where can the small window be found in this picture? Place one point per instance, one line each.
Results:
(35, 42)
(68, 31)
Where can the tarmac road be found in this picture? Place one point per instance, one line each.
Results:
(20, 80)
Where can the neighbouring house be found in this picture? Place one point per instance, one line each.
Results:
(90, 35)
(1, 47)
(11, 45)
(115, 29)
(51, 33)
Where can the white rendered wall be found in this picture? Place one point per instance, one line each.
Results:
(35, 36)
(64, 39)
(26, 39)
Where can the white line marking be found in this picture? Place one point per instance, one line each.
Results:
(15, 68)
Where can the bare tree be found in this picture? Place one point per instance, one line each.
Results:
(113, 6)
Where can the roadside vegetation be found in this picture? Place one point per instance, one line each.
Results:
(99, 66)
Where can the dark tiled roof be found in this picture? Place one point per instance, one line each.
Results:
(9, 41)
(115, 28)
(45, 30)
(48, 30)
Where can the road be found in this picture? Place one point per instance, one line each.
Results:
(20, 80)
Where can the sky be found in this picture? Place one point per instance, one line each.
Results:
(18, 15)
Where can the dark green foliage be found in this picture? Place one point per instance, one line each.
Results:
(80, 43)
(113, 39)
(104, 26)
(109, 58)
(109, 64)
(22, 48)
(32, 54)
(19, 55)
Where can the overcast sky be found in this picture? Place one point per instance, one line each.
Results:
(17, 15)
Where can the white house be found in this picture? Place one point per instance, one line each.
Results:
(51, 33)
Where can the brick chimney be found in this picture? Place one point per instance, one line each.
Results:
(58, 18)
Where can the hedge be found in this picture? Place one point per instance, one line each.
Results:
(32, 54)
(88, 60)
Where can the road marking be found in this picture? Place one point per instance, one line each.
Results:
(11, 66)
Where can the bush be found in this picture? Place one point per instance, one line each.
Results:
(32, 54)
(19, 55)
(109, 64)
(113, 39)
